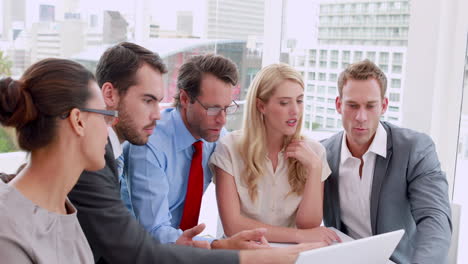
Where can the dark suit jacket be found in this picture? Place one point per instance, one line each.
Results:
(409, 191)
(114, 234)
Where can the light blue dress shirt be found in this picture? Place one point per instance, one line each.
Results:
(158, 175)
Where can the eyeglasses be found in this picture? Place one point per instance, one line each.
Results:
(110, 116)
(213, 111)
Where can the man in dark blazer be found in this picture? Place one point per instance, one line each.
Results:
(384, 177)
(130, 78)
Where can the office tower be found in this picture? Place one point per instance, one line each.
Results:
(13, 15)
(115, 27)
(235, 19)
(350, 31)
(321, 67)
(184, 23)
(364, 22)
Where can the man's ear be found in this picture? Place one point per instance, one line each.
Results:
(384, 105)
(76, 122)
(111, 95)
(338, 104)
(184, 98)
(260, 105)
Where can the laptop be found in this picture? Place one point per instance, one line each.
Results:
(370, 250)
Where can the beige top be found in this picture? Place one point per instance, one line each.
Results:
(273, 206)
(31, 234)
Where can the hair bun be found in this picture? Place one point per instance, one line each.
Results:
(16, 104)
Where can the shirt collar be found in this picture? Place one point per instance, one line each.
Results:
(378, 145)
(114, 141)
(184, 138)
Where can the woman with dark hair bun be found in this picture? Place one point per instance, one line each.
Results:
(59, 115)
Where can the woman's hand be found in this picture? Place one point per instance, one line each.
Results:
(301, 151)
(318, 234)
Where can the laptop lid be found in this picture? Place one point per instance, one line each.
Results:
(370, 250)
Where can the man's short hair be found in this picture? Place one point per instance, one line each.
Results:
(119, 64)
(363, 70)
(191, 74)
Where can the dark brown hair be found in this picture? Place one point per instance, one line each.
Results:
(47, 90)
(119, 64)
(363, 70)
(191, 74)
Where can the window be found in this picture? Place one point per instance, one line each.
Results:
(300, 61)
(323, 55)
(321, 89)
(319, 110)
(383, 57)
(383, 67)
(370, 55)
(357, 55)
(310, 88)
(334, 55)
(330, 122)
(393, 108)
(319, 121)
(397, 58)
(312, 59)
(311, 76)
(322, 76)
(346, 56)
(332, 90)
(395, 83)
(394, 97)
(396, 69)
(332, 77)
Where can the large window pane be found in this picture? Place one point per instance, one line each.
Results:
(340, 33)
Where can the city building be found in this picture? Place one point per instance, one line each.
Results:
(364, 22)
(184, 23)
(235, 19)
(321, 66)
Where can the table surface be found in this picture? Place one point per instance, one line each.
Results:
(343, 236)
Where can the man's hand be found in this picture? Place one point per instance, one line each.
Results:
(186, 238)
(248, 239)
(284, 255)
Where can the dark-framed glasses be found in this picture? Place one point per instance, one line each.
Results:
(212, 111)
(110, 116)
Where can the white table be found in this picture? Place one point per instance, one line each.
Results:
(343, 236)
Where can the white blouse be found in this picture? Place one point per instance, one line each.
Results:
(274, 206)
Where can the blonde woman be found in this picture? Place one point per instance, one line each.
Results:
(268, 174)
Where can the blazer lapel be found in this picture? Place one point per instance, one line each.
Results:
(380, 172)
(110, 159)
(331, 191)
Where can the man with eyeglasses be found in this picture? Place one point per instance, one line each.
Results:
(170, 173)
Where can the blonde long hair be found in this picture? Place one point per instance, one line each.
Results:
(253, 144)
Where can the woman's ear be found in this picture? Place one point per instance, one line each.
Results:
(110, 95)
(76, 122)
(260, 105)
